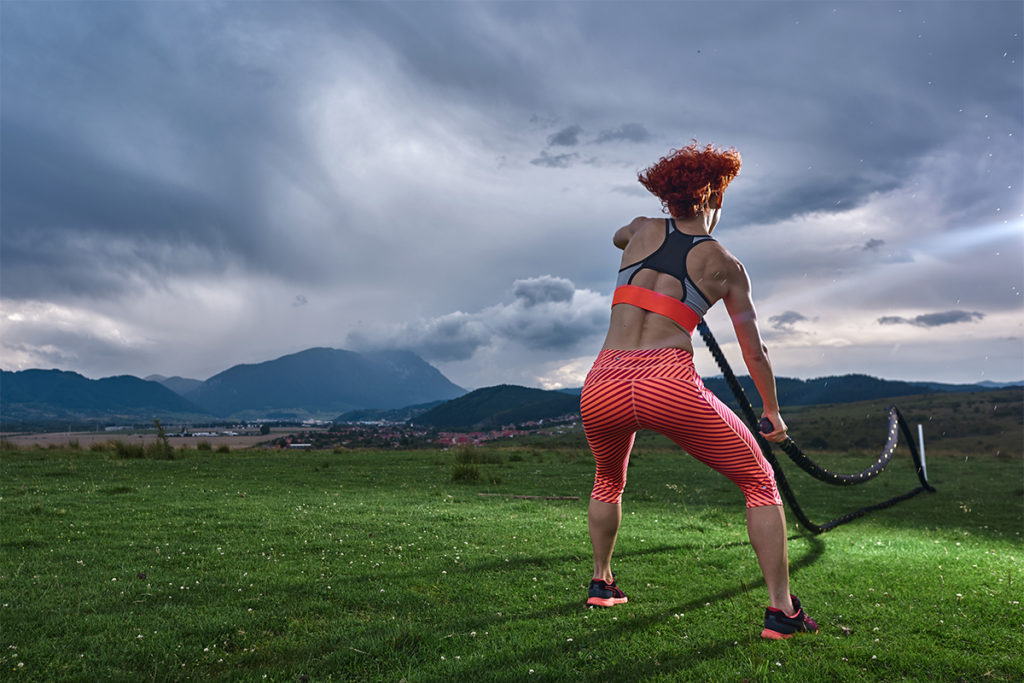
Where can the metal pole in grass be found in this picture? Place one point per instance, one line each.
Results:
(920, 443)
(790, 448)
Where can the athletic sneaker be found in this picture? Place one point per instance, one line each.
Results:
(778, 626)
(604, 594)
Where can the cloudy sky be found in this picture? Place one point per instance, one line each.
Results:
(185, 186)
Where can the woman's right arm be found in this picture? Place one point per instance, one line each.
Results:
(740, 305)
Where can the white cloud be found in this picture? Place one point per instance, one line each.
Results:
(48, 335)
(547, 314)
(566, 374)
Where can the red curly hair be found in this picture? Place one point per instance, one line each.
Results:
(686, 179)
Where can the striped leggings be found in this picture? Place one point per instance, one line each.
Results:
(659, 389)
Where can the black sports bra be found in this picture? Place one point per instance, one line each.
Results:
(670, 258)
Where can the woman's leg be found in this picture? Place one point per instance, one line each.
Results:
(766, 527)
(603, 520)
(706, 429)
(610, 427)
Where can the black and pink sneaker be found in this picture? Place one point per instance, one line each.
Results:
(779, 626)
(604, 594)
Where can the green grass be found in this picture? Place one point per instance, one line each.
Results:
(378, 566)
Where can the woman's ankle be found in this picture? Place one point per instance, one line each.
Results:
(786, 606)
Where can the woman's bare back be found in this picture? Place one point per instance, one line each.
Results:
(708, 265)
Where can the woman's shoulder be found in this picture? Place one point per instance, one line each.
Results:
(641, 222)
(715, 257)
(624, 234)
(719, 253)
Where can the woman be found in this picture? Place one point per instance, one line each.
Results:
(672, 272)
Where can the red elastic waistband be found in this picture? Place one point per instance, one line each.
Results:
(655, 302)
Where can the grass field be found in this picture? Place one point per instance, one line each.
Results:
(283, 566)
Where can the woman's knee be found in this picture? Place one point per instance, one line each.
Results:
(761, 494)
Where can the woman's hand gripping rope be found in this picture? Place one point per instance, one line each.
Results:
(768, 429)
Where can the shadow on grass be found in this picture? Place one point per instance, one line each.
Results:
(547, 561)
(600, 658)
(597, 642)
(817, 549)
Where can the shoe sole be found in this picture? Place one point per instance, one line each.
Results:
(769, 634)
(605, 602)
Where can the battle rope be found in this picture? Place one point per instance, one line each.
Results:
(796, 455)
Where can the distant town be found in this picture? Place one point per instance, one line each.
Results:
(325, 435)
(396, 435)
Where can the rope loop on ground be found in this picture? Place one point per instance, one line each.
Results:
(789, 447)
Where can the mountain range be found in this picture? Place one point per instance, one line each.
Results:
(179, 385)
(492, 407)
(334, 383)
(323, 382)
(45, 396)
(315, 383)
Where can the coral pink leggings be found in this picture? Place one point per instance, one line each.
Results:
(659, 389)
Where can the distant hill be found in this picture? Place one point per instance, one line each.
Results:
(834, 389)
(39, 396)
(323, 382)
(985, 422)
(1000, 385)
(386, 415)
(495, 406)
(791, 392)
(179, 385)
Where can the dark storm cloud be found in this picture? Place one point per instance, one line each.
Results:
(563, 330)
(905, 91)
(75, 224)
(570, 137)
(909, 85)
(628, 132)
(769, 203)
(555, 160)
(461, 50)
(882, 252)
(546, 314)
(126, 148)
(636, 190)
(543, 290)
(567, 137)
(933, 319)
(786, 320)
(453, 337)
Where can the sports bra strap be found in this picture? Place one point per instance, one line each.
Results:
(659, 303)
